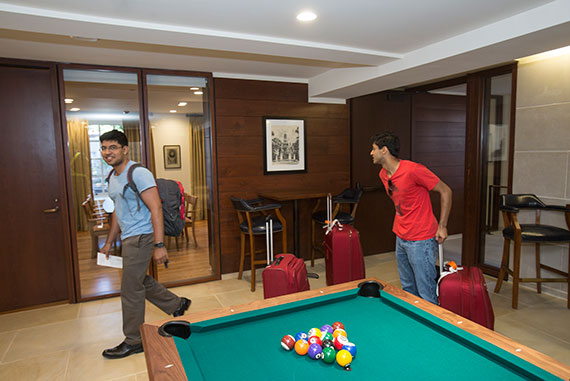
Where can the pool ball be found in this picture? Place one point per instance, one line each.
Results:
(337, 325)
(314, 332)
(328, 344)
(344, 358)
(340, 341)
(339, 331)
(327, 336)
(326, 328)
(301, 336)
(329, 355)
(351, 348)
(302, 347)
(315, 351)
(288, 342)
(315, 340)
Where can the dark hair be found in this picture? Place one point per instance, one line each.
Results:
(115, 135)
(388, 139)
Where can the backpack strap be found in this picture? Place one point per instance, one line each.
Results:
(131, 184)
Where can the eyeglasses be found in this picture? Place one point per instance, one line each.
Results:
(390, 187)
(110, 148)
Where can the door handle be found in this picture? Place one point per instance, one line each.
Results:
(52, 210)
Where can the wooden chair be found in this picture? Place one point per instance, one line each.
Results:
(530, 233)
(98, 223)
(251, 216)
(344, 211)
(190, 211)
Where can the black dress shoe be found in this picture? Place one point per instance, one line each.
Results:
(184, 304)
(122, 350)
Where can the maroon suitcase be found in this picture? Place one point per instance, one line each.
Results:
(344, 260)
(464, 292)
(286, 274)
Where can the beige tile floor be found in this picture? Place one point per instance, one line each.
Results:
(65, 342)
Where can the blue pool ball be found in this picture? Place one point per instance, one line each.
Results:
(351, 348)
(315, 352)
(301, 336)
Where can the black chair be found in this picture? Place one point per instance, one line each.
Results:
(345, 205)
(251, 216)
(530, 233)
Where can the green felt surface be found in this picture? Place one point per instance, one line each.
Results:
(394, 340)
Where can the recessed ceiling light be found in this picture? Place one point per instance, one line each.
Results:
(75, 109)
(198, 92)
(86, 39)
(306, 16)
(68, 100)
(194, 88)
(172, 111)
(182, 104)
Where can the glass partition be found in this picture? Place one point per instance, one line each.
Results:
(179, 140)
(97, 101)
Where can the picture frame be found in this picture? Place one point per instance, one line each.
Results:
(284, 145)
(171, 156)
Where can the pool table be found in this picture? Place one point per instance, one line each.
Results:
(398, 337)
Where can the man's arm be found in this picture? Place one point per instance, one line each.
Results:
(112, 236)
(445, 197)
(152, 201)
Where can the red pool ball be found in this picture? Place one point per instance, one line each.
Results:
(337, 325)
(339, 341)
(288, 342)
(315, 340)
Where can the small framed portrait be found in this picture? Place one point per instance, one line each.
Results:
(284, 145)
(171, 157)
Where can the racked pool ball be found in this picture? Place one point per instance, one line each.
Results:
(315, 351)
(288, 342)
(340, 341)
(301, 336)
(339, 331)
(351, 348)
(327, 336)
(302, 347)
(344, 359)
(326, 328)
(314, 332)
(337, 325)
(328, 344)
(329, 355)
(315, 340)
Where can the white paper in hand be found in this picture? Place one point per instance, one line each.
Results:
(113, 261)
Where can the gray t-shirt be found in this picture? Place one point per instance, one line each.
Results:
(134, 218)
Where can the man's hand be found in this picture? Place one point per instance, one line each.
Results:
(160, 255)
(441, 234)
(105, 249)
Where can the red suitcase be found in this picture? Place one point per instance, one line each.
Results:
(464, 292)
(286, 274)
(344, 260)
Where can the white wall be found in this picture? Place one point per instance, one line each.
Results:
(542, 152)
(172, 130)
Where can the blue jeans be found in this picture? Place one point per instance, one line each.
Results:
(416, 265)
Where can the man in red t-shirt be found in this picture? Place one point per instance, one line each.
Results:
(417, 231)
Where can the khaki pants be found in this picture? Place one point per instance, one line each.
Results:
(136, 286)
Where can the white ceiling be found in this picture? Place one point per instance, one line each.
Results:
(353, 48)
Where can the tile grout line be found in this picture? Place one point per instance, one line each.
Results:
(9, 347)
(67, 364)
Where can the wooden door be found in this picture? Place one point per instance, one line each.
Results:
(34, 228)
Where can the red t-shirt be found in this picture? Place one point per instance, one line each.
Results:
(410, 186)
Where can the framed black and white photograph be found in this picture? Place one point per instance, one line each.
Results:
(284, 145)
(171, 157)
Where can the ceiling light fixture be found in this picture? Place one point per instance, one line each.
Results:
(172, 111)
(74, 109)
(68, 100)
(86, 39)
(198, 92)
(194, 88)
(306, 16)
(182, 104)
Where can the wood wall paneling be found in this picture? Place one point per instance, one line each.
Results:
(240, 106)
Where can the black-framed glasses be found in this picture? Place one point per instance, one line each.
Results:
(390, 187)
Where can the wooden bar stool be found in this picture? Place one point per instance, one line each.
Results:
(530, 233)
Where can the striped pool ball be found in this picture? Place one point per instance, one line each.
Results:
(340, 341)
(301, 336)
(288, 342)
(351, 348)
(314, 332)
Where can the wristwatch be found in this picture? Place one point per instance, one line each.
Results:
(159, 244)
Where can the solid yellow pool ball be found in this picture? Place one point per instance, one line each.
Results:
(344, 358)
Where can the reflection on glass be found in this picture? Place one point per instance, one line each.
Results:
(104, 100)
(179, 125)
(496, 132)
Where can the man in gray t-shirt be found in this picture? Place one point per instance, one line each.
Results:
(138, 217)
